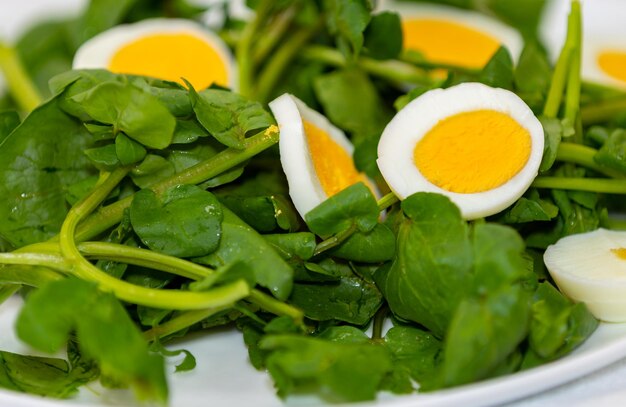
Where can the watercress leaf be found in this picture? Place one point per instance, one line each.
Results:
(612, 154)
(550, 315)
(9, 120)
(38, 161)
(128, 151)
(228, 116)
(104, 157)
(499, 318)
(73, 83)
(240, 243)
(103, 329)
(414, 350)
(131, 110)
(532, 75)
(530, 208)
(351, 102)
(187, 131)
(77, 191)
(365, 155)
(183, 222)
(431, 271)
(173, 95)
(152, 169)
(290, 246)
(347, 20)
(498, 72)
(375, 246)
(342, 371)
(553, 133)
(257, 211)
(383, 36)
(351, 299)
(355, 205)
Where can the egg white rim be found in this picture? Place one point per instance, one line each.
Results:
(507, 35)
(413, 122)
(305, 188)
(97, 52)
(590, 66)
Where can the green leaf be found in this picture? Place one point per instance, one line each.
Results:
(355, 205)
(375, 246)
(530, 208)
(152, 169)
(290, 246)
(103, 329)
(612, 154)
(38, 161)
(128, 151)
(383, 36)
(9, 120)
(347, 368)
(99, 15)
(533, 75)
(554, 131)
(104, 157)
(432, 268)
(498, 72)
(347, 20)
(228, 116)
(184, 222)
(414, 350)
(138, 114)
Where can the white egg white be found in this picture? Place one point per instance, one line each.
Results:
(290, 113)
(586, 270)
(508, 36)
(99, 50)
(414, 121)
(603, 29)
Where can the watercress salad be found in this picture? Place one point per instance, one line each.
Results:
(134, 211)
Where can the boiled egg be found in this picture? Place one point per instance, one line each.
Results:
(168, 49)
(478, 145)
(315, 155)
(591, 268)
(452, 36)
(604, 50)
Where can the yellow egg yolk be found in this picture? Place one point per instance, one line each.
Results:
(620, 253)
(473, 151)
(613, 63)
(333, 165)
(172, 57)
(449, 43)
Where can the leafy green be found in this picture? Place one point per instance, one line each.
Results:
(347, 20)
(377, 245)
(498, 72)
(383, 36)
(612, 154)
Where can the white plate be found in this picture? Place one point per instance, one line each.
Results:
(224, 377)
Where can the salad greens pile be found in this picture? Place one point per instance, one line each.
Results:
(134, 211)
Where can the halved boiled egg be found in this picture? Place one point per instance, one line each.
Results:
(604, 50)
(316, 156)
(478, 145)
(168, 49)
(591, 268)
(452, 36)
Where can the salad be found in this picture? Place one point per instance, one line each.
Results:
(364, 191)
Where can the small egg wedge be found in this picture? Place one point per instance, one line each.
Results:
(478, 145)
(316, 156)
(168, 49)
(591, 268)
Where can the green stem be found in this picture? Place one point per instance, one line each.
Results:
(562, 68)
(583, 155)
(276, 30)
(180, 322)
(335, 240)
(21, 86)
(276, 66)
(270, 304)
(572, 99)
(387, 200)
(243, 49)
(601, 185)
(379, 322)
(34, 276)
(602, 111)
(392, 70)
(110, 215)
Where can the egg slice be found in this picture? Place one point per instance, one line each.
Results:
(167, 49)
(604, 50)
(315, 155)
(591, 268)
(452, 36)
(478, 145)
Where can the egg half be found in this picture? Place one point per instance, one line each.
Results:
(316, 156)
(591, 268)
(478, 145)
(604, 49)
(168, 49)
(452, 36)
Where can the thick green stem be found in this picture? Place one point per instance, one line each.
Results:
(583, 155)
(387, 200)
(391, 70)
(602, 111)
(572, 99)
(274, 306)
(110, 215)
(180, 322)
(335, 240)
(601, 185)
(20, 85)
(379, 322)
(276, 66)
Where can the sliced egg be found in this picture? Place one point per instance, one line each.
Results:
(591, 268)
(168, 49)
(315, 155)
(604, 50)
(478, 145)
(452, 36)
